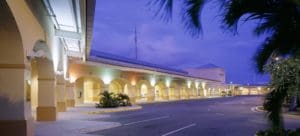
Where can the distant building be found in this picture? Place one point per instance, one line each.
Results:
(248, 89)
(211, 72)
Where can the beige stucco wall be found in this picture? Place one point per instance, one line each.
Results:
(208, 73)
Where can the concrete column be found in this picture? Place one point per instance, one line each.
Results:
(166, 93)
(15, 115)
(177, 93)
(188, 93)
(79, 91)
(151, 94)
(61, 93)
(46, 109)
(132, 94)
(15, 109)
(205, 93)
(88, 90)
(70, 94)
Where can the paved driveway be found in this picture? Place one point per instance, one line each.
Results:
(231, 116)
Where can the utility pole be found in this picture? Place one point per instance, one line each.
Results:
(135, 42)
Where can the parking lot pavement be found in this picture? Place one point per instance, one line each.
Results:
(230, 116)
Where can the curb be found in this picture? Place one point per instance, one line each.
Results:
(178, 100)
(93, 129)
(256, 109)
(119, 109)
(291, 114)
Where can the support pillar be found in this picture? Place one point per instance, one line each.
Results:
(46, 109)
(188, 93)
(61, 94)
(177, 93)
(15, 115)
(70, 94)
(166, 93)
(132, 94)
(151, 94)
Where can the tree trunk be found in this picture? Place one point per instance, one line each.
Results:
(293, 104)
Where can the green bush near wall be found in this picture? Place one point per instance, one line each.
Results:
(111, 100)
(271, 132)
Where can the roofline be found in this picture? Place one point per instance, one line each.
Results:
(90, 14)
(178, 75)
(97, 54)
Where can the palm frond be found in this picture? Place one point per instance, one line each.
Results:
(164, 8)
(234, 10)
(263, 54)
(265, 26)
(192, 15)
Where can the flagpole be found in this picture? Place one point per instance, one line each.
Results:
(135, 42)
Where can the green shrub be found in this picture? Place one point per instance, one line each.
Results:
(223, 93)
(123, 99)
(107, 100)
(111, 100)
(272, 132)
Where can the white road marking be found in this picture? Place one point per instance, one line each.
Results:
(140, 113)
(146, 120)
(177, 130)
(220, 114)
(253, 109)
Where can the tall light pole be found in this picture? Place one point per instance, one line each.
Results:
(135, 42)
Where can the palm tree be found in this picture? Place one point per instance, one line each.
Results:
(279, 19)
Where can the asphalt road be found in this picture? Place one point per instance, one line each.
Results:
(230, 116)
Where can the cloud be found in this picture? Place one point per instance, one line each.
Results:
(167, 44)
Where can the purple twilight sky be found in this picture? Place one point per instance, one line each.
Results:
(167, 43)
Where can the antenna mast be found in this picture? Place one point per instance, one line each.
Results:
(135, 42)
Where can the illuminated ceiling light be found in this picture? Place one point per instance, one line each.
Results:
(168, 82)
(203, 84)
(72, 79)
(197, 84)
(152, 81)
(107, 76)
(189, 83)
(259, 88)
(29, 82)
(133, 82)
(106, 79)
(59, 72)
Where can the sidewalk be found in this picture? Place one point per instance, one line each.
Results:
(284, 111)
(78, 121)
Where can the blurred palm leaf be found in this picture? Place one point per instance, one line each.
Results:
(190, 16)
(280, 19)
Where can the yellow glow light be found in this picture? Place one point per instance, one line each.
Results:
(197, 84)
(106, 79)
(203, 84)
(133, 82)
(152, 81)
(259, 88)
(72, 79)
(189, 83)
(168, 82)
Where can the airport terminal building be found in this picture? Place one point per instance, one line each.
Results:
(47, 65)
